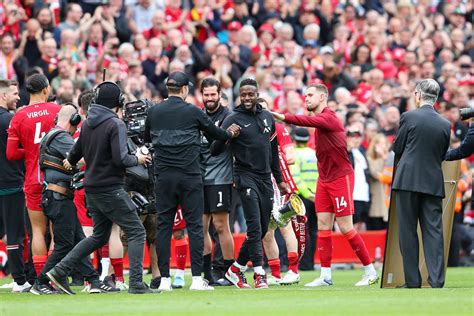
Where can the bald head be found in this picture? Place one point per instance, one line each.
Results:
(64, 115)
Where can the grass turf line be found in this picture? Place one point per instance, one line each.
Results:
(343, 298)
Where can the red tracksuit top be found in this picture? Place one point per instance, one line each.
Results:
(331, 144)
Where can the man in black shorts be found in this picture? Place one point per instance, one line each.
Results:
(218, 181)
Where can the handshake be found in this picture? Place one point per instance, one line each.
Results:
(234, 129)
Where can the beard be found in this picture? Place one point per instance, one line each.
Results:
(212, 106)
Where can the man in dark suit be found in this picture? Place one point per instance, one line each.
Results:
(420, 146)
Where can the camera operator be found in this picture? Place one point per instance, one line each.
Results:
(467, 146)
(139, 183)
(174, 126)
(102, 143)
(57, 201)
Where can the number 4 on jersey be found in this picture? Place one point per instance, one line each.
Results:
(38, 134)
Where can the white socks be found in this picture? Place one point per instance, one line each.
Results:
(179, 273)
(370, 269)
(105, 263)
(259, 270)
(326, 273)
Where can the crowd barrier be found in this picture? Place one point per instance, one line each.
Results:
(342, 251)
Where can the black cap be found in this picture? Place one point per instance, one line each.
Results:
(108, 94)
(301, 134)
(178, 79)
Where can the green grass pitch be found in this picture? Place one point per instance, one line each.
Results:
(343, 298)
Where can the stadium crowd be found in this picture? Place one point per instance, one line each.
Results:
(369, 54)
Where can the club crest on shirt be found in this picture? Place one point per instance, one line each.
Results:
(266, 128)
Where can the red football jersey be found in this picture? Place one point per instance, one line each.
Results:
(284, 140)
(331, 143)
(27, 127)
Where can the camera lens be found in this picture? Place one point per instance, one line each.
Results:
(466, 113)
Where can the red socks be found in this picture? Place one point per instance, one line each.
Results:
(104, 251)
(293, 261)
(117, 263)
(39, 262)
(181, 249)
(358, 245)
(325, 248)
(275, 267)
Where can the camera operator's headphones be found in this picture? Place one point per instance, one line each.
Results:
(121, 98)
(75, 118)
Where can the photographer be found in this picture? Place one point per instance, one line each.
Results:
(139, 182)
(57, 202)
(467, 146)
(102, 143)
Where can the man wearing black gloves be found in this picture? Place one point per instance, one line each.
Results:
(174, 128)
(103, 144)
(57, 202)
(256, 158)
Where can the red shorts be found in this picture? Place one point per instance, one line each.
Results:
(80, 202)
(336, 196)
(33, 197)
(179, 222)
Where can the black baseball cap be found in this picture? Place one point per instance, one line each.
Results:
(178, 79)
(301, 134)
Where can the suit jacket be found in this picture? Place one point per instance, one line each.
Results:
(420, 146)
(465, 149)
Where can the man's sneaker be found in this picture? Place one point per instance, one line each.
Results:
(60, 280)
(273, 280)
(8, 286)
(260, 281)
(87, 287)
(98, 286)
(368, 279)
(290, 278)
(319, 282)
(165, 285)
(121, 285)
(42, 289)
(223, 282)
(76, 282)
(238, 279)
(178, 282)
(110, 280)
(200, 285)
(155, 283)
(21, 288)
(142, 289)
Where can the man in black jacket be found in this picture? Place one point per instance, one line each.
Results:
(420, 146)
(103, 144)
(12, 198)
(256, 157)
(58, 205)
(174, 128)
(466, 148)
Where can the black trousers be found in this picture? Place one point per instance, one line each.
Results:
(256, 194)
(427, 209)
(12, 210)
(67, 232)
(107, 208)
(307, 261)
(173, 189)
